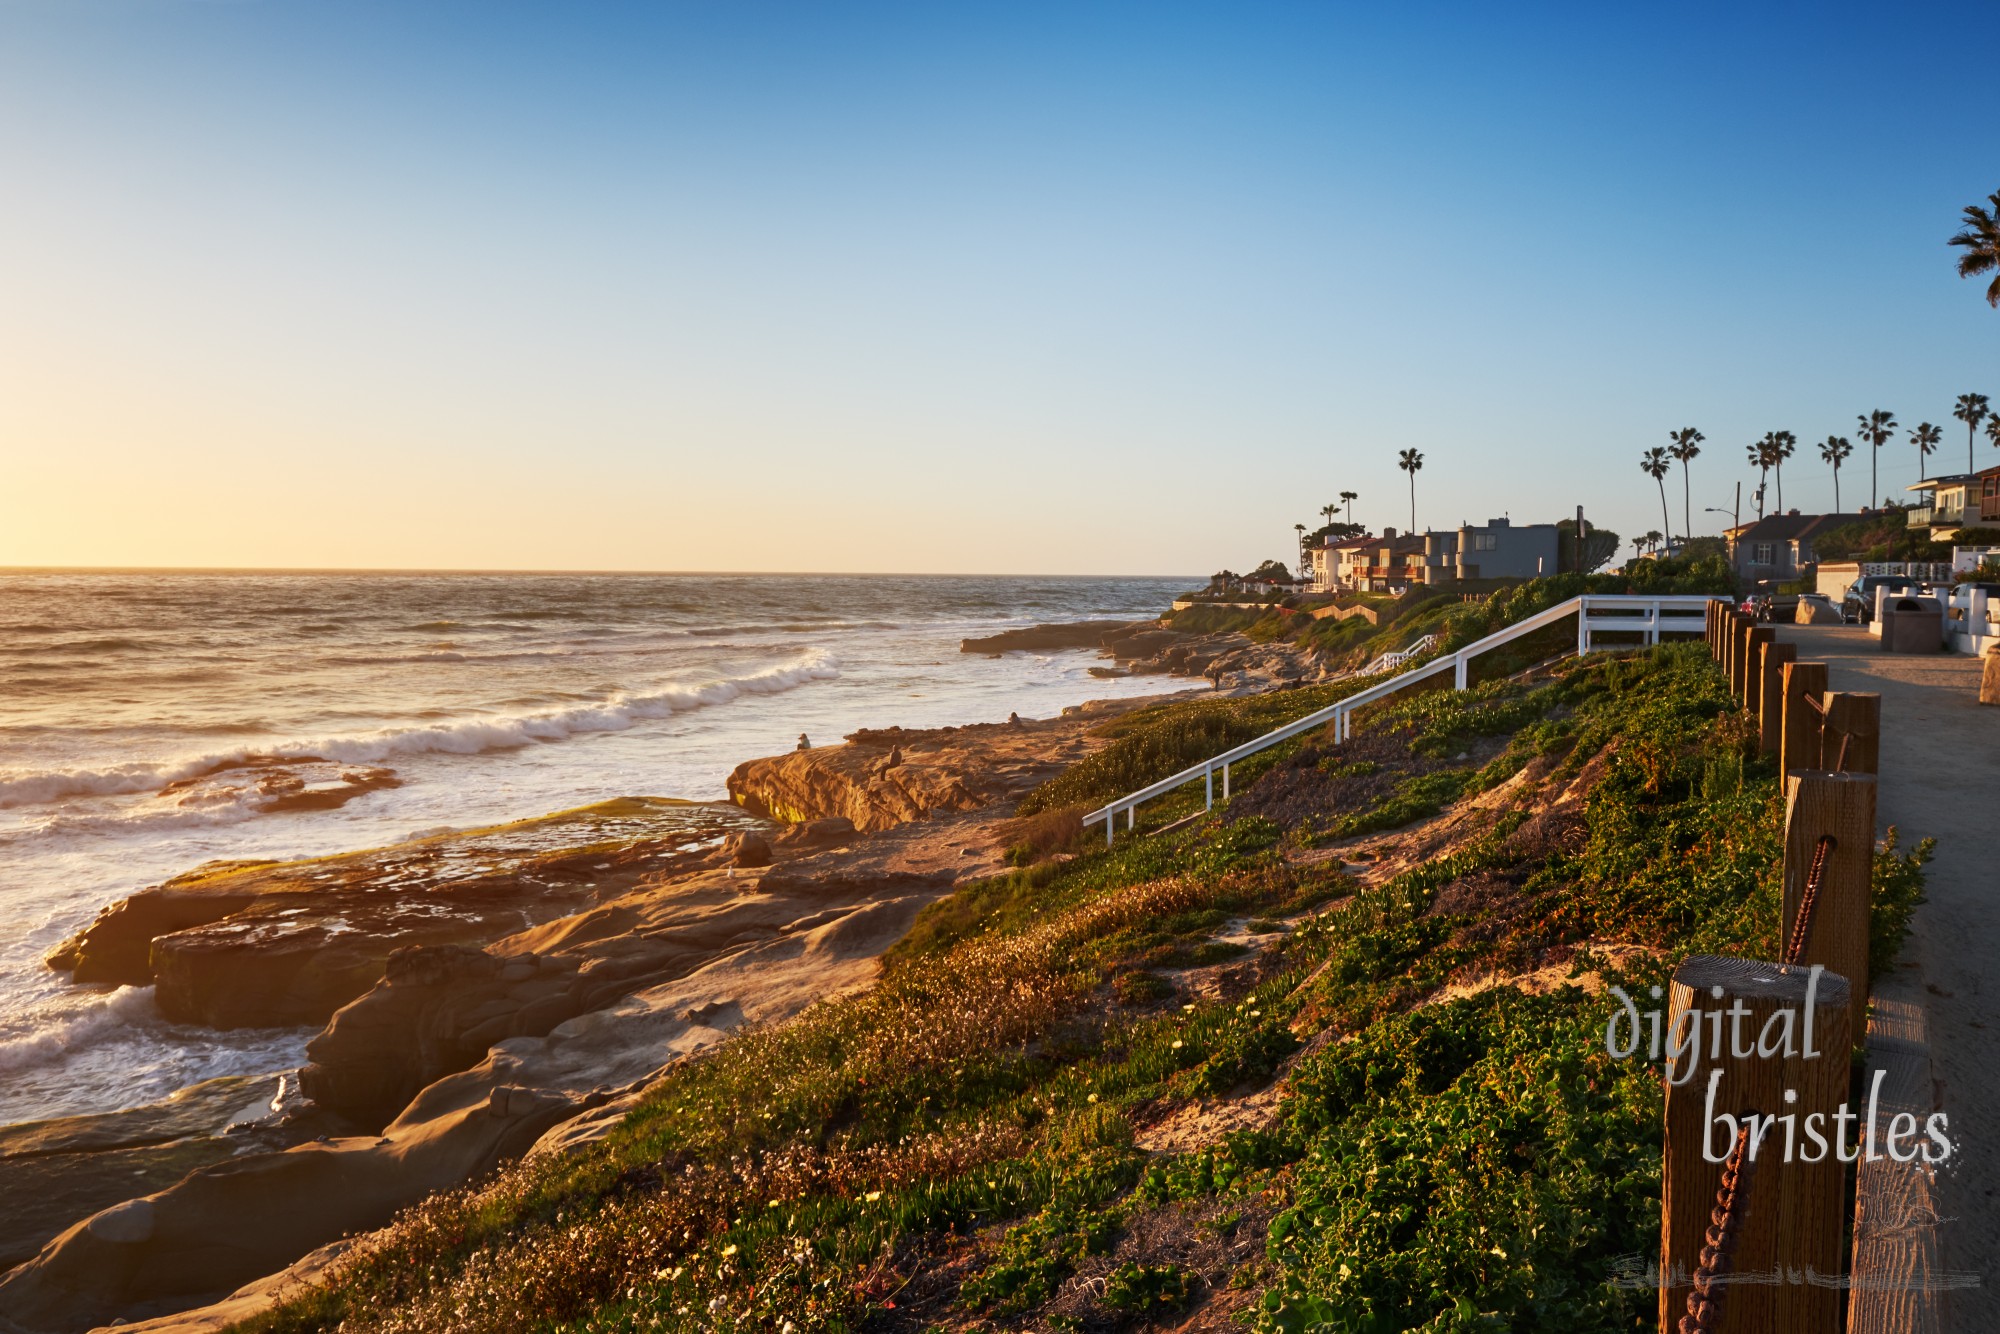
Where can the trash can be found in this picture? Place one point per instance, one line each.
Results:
(1912, 625)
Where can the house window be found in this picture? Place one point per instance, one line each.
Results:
(1485, 541)
(1763, 553)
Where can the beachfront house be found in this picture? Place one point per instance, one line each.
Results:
(1959, 500)
(1390, 563)
(1778, 547)
(1331, 560)
(1497, 549)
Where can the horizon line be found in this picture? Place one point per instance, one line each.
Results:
(488, 570)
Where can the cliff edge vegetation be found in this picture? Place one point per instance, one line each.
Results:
(1328, 1059)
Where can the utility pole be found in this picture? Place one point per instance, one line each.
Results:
(1579, 540)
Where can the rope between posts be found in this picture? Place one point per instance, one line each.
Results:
(1725, 1228)
(1795, 948)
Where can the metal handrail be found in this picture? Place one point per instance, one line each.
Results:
(1341, 711)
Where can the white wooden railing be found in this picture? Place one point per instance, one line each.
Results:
(1389, 662)
(1596, 614)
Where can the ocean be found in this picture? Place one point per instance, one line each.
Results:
(150, 722)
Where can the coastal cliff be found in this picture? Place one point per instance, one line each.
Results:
(485, 992)
(887, 777)
(1225, 658)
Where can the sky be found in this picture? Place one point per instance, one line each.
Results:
(1082, 288)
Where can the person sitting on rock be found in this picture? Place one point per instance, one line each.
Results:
(803, 743)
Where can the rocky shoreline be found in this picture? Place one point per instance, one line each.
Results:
(484, 995)
(1227, 659)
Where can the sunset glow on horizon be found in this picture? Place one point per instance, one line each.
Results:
(1030, 289)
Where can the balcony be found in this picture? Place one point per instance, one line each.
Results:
(1936, 516)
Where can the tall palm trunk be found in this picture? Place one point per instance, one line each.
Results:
(1665, 522)
(1413, 500)
(1687, 506)
(1779, 471)
(1874, 486)
(1836, 488)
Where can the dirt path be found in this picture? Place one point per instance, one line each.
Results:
(1940, 777)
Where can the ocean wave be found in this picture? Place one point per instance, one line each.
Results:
(122, 1010)
(85, 647)
(461, 736)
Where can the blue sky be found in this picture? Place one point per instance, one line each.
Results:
(1084, 288)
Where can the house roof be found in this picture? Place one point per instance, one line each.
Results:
(1787, 527)
(1955, 479)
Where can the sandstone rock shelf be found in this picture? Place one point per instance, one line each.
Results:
(498, 992)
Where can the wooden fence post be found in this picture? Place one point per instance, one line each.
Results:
(1795, 1219)
(1771, 695)
(1739, 635)
(1798, 748)
(1852, 736)
(1750, 694)
(1840, 807)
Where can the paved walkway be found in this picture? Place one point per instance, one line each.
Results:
(1940, 777)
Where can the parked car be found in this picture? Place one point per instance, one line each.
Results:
(1858, 605)
(1768, 606)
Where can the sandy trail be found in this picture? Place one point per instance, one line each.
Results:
(1940, 777)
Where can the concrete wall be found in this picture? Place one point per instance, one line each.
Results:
(1835, 578)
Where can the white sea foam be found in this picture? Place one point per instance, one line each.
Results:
(464, 736)
(104, 1017)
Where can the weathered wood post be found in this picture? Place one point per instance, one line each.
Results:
(1851, 735)
(1739, 633)
(1751, 691)
(1790, 1213)
(1771, 695)
(1829, 865)
(1804, 685)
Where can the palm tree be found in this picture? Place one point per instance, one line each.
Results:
(1877, 428)
(1833, 451)
(1686, 445)
(1925, 437)
(1762, 455)
(1349, 497)
(1305, 563)
(1654, 464)
(1639, 546)
(1993, 429)
(1782, 445)
(1971, 410)
(1328, 511)
(1410, 461)
(1979, 235)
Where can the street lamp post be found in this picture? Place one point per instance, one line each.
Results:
(1735, 521)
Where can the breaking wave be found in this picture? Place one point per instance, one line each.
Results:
(463, 736)
(123, 1009)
